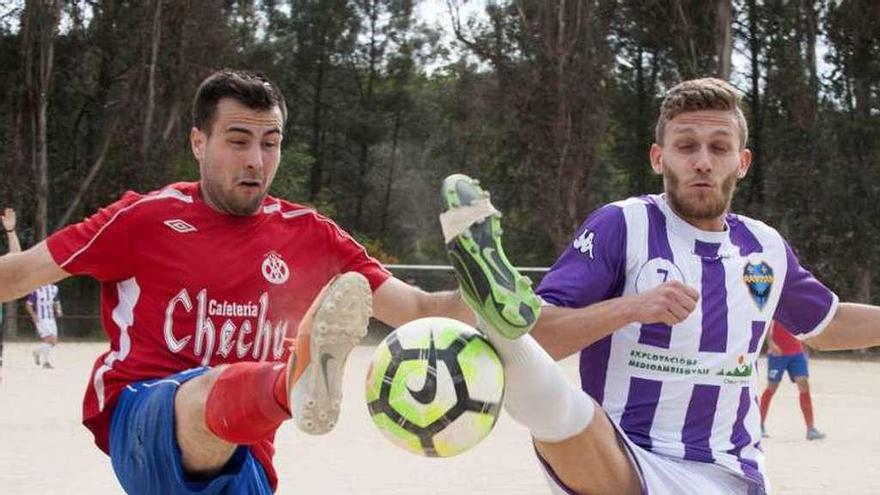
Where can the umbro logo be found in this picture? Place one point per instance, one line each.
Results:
(178, 225)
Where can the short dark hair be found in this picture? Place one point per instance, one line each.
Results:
(251, 89)
(701, 94)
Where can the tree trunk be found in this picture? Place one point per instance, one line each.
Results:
(38, 38)
(367, 99)
(151, 85)
(724, 40)
(316, 145)
(389, 181)
(756, 184)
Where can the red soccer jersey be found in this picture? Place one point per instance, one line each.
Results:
(785, 340)
(183, 285)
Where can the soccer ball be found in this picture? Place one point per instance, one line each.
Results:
(435, 386)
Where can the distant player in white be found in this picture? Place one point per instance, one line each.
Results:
(44, 305)
(668, 298)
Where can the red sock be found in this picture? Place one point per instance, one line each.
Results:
(248, 402)
(765, 403)
(807, 408)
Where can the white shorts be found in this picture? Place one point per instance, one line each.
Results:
(663, 475)
(47, 328)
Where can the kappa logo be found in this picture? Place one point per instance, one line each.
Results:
(179, 225)
(275, 269)
(584, 243)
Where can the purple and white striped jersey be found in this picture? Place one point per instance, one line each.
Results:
(43, 300)
(689, 391)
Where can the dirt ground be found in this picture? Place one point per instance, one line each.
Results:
(45, 450)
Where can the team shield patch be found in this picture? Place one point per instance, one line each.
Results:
(759, 279)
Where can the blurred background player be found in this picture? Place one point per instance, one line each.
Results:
(785, 353)
(8, 222)
(44, 305)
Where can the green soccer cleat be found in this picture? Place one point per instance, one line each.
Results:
(489, 283)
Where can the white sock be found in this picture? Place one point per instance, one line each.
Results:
(45, 347)
(538, 395)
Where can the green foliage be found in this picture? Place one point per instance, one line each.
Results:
(382, 106)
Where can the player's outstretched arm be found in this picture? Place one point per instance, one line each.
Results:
(565, 331)
(21, 273)
(396, 302)
(854, 326)
(8, 221)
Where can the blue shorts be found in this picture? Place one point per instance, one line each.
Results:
(795, 364)
(145, 454)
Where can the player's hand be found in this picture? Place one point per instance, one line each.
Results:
(773, 349)
(8, 219)
(669, 303)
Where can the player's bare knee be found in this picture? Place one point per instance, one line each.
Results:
(189, 402)
(803, 384)
(202, 453)
(593, 461)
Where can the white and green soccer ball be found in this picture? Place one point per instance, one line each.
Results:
(435, 386)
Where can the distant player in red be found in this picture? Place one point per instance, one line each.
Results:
(204, 286)
(786, 353)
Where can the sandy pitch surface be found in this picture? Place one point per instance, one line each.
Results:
(45, 450)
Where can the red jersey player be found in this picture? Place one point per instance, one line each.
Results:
(786, 353)
(203, 284)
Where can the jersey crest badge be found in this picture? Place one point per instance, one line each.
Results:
(275, 269)
(178, 225)
(759, 279)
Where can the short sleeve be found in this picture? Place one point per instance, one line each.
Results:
(99, 245)
(593, 266)
(351, 256)
(805, 305)
(32, 298)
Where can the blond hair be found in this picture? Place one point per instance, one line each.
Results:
(701, 94)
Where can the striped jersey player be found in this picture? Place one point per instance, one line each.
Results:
(43, 304)
(686, 391)
(667, 299)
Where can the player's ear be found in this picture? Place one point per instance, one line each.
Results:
(745, 162)
(656, 153)
(198, 140)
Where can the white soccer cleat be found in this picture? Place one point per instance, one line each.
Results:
(334, 324)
